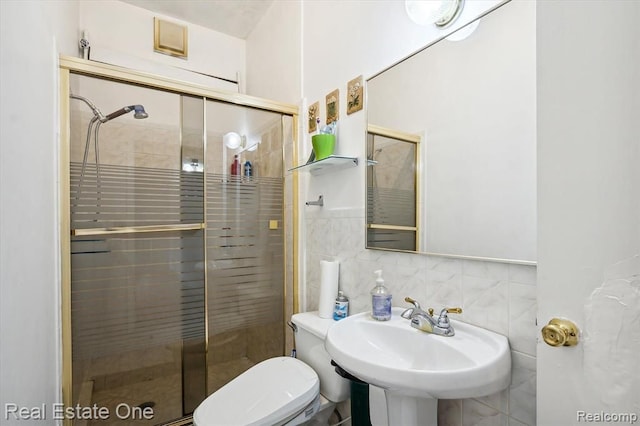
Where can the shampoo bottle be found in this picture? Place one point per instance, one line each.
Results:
(380, 300)
(235, 166)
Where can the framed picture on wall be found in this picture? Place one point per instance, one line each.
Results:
(314, 114)
(355, 95)
(333, 106)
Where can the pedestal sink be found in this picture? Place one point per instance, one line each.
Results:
(416, 368)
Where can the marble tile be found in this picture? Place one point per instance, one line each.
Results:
(354, 285)
(523, 274)
(498, 401)
(484, 269)
(522, 392)
(523, 330)
(411, 283)
(485, 295)
(477, 414)
(450, 412)
(348, 237)
(444, 283)
(319, 238)
(514, 422)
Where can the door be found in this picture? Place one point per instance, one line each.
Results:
(589, 210)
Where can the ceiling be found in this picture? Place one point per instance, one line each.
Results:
(233, 17)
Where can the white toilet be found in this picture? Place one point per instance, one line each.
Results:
(283, 390)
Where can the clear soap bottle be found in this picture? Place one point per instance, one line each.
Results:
(380, 300)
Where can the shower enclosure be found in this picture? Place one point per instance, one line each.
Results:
(176, 267)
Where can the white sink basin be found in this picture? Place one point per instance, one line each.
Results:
(409, 363)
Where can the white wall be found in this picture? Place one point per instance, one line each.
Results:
(29, 255)
(274, 55)
(119, 27)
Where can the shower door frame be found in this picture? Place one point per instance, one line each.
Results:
(71, 65)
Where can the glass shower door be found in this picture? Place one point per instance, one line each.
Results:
(177, 264)
(137, 261)
(244, 240)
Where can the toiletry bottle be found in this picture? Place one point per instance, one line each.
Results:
(235, 166)
(380, 300)
(248, 169)
(341, 308)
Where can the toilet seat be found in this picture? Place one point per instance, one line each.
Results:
(269, 393)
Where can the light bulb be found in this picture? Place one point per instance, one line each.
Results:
(232, 140)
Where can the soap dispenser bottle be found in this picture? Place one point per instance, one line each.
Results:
(380, 300)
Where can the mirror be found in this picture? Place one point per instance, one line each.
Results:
(470, 104)
(392, 189)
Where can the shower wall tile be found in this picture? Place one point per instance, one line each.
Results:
(227, 346)
(127, 143)
(157, 161)
(266, 341)
(130, 360)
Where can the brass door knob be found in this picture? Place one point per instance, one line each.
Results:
(560, 332)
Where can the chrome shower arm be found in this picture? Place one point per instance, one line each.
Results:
(94, 108)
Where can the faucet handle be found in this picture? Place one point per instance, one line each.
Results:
(443, 319)
(407, 313)
(412, 301)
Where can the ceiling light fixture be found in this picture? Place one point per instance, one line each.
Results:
(442, 13)
(232, 140)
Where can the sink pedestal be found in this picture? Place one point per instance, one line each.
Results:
(411, 411)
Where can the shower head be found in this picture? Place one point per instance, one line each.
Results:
(138, 112)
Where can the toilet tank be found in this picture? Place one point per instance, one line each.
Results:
(310, 335)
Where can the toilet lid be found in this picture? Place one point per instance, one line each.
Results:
(266, 394)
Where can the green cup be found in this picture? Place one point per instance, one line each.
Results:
(323, 145)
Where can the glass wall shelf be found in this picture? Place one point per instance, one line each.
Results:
(332, 162)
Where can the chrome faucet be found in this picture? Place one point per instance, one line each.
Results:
(426, 322)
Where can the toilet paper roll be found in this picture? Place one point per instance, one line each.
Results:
(329, 275)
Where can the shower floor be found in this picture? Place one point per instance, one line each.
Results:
(163, 390)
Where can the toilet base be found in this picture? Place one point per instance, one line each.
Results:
(321, 418)
(306, 415)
